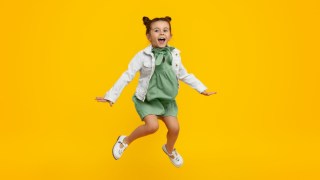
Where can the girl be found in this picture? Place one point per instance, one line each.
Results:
(160, 69)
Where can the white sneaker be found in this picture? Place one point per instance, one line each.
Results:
(117, 151)
(176, 160)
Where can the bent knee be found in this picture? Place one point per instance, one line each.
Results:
(152, 128)
(174, 129)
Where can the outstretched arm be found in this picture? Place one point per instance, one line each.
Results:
(192, 81)
(113, 94)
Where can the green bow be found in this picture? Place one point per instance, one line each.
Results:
(162, 54)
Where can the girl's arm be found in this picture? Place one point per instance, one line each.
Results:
(135, 65)
(190, 79)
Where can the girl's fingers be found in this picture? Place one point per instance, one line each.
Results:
(209, 93)
(101, 99)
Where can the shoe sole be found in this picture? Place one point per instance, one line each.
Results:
(113, 148)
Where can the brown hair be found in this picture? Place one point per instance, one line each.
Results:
(147, 22)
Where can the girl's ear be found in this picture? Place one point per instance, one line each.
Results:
(148, 37)
(146, 20)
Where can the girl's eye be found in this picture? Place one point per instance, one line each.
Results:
(166, 30)
(156, 30)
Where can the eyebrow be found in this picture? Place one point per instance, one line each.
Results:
(159, 28)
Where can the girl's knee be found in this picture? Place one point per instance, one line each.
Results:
(152, 127)
(152, 124)
(174, 129)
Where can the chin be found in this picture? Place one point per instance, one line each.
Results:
(159, 45)
(162, 45)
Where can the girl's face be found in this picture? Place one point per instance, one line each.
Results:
(159, 34)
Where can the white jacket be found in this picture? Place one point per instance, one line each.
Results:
(144, 62)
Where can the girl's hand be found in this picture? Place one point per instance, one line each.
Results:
(208, 93)
(101, 99)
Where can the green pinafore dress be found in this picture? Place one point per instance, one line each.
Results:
(162, 89)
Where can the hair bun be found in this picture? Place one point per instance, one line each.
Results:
(146, 20)
(168, 18)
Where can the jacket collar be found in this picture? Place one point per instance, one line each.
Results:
(148, 50)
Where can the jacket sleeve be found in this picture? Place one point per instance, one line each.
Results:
(134, 66)
(190, 79)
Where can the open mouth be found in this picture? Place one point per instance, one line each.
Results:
(161, 39)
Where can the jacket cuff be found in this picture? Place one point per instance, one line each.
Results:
(201, 89)
(107, 97)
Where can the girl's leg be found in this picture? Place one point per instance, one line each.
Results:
(151, 126)
(173, 131)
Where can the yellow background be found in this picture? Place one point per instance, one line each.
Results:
(262, 57)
